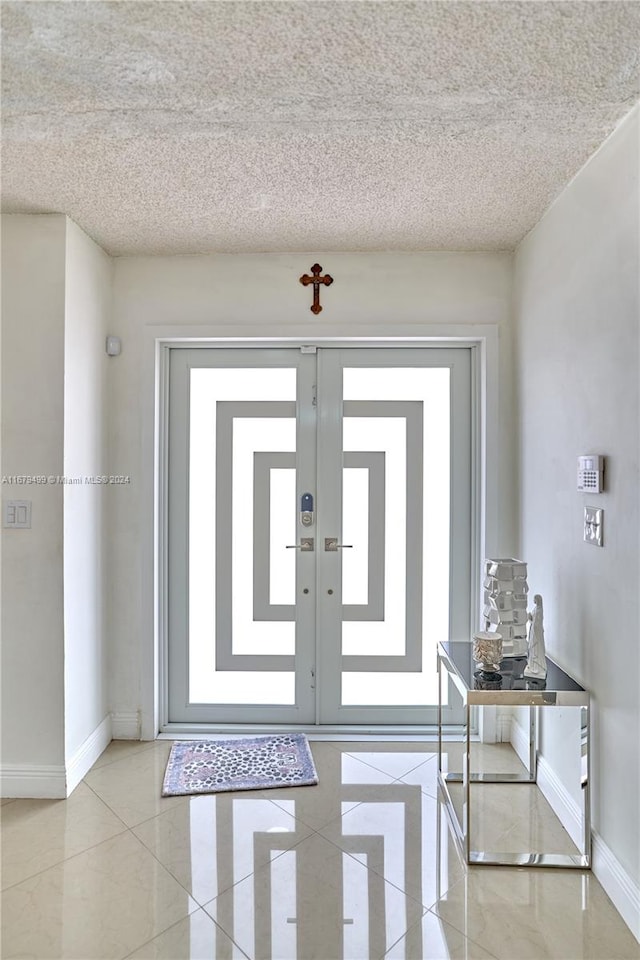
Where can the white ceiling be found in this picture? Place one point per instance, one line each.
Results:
(190, 127)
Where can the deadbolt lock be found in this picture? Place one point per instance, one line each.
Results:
(306, 509)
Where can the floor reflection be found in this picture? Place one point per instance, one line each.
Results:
(362, 865)
(284, 891)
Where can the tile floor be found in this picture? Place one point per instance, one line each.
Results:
(359, 866)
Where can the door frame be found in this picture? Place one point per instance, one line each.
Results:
(159, 340)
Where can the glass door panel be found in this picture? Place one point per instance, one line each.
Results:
(277, 616)
(415, 590)
(233, 481)
(389, 505)
(385, 610)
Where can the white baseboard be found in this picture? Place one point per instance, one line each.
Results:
(565, 807)
(46, 781)
(616, 882)
(39, 781)
(554, 791)
(87, 754)
(618, 885)
(125, 726)
(49, 782)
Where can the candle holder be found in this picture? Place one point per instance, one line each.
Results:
(487, 652)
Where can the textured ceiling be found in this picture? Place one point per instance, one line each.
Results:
(188, 127)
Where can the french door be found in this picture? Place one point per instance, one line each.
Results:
(319, 532)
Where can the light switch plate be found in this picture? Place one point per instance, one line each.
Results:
(16, 514)
(593, 525)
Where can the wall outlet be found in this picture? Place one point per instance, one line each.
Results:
(593, 525)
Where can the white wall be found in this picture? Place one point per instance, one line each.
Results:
(263, 293)
(577, 369)
(56, 298)
(33, 290)
(87, 312)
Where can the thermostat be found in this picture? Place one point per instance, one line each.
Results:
(590, 473)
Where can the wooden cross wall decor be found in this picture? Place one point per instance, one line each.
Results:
(316, 280)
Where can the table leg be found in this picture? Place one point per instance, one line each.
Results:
(533, 751)
(585, 782)
(439, 716)
(466, 783)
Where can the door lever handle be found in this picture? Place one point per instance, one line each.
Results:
(306, 545)
(331, 545)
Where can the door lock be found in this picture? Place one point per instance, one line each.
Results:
(306, 509)
(331, 545)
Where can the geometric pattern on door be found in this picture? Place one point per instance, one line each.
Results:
(370, 462)
(357, 440)
(267, 465)
(229, 545)
(402, 531)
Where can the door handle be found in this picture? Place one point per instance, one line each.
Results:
(306, 545)
(331, 545)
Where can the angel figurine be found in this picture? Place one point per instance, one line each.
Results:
(536, 662)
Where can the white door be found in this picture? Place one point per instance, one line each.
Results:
(319, 531)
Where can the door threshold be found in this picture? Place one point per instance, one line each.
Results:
(382, 732)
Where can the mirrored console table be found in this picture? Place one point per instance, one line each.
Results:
(508, 688)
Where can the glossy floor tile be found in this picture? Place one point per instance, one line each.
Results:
(512, 818)
(435, 939)
(211, 843)
(402, 836)
(120, 749)
(131, 786)
(196, 937)
(102, 903)
(485, 757)
(362, 865)
(537, 914)
(315, 902)
(394, 759)
(343, 781)
(37, 834)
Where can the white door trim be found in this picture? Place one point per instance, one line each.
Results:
(157, 339)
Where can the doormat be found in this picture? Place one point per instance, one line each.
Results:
(248, 763)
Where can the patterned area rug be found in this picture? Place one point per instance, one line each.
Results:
(248, 763)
